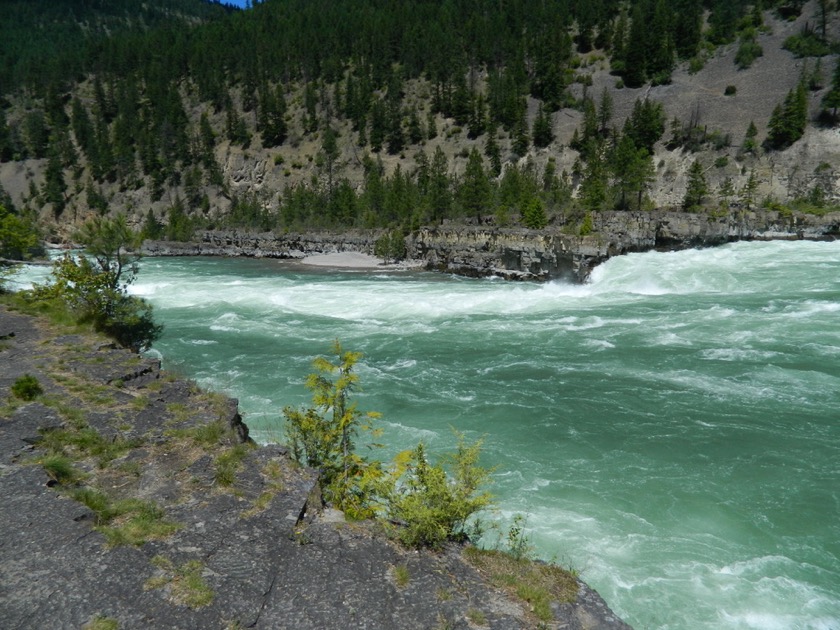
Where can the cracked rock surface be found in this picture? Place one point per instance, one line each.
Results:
(260, 549)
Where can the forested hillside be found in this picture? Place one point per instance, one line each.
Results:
(302, 114)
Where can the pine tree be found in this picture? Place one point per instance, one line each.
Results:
(533, 214)
(542, 134)
(54, 186)
(635, 62)
(605, 112)
(415, 132)
(272, 116)
(431, 124)
(440, 197)
(831, 99)
(646, 124)
(747, 192)
(789, 119)
(474, 192)
(696, 189)
(750, 145)
(493, 153)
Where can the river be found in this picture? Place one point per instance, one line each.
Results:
(671, 429)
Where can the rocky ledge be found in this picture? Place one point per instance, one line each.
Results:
(515, 253)
(132, 499)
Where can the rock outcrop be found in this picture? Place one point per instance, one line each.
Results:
(165, 515)
(478, 250)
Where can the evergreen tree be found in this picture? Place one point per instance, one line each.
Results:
(748, 191)
(542, 133)
(493, 153)
(646, 124)
(520, 134)
(788, 121)
(696, 189)
(533, 214)
(659, 60)
(272, 116)
(440, 197)
(329, 154)
(474, 192)
(431, 124)
(394, 123)
(605, 112)
(378, 122)
(632, 169)
(635, 56)
(54, 185)
(750, 145)
(688, 23)
(831, 99)
(415, 132)
(478, 118)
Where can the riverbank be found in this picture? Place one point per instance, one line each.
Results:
(520, 254)
(135, 498)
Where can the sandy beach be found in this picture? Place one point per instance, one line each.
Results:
(356, 260)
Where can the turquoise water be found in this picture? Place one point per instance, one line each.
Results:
(670, 429)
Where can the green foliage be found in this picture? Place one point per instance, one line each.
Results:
(186, 582)
(586, 226)
(533, 215)
(696, 189)
(390, 246)
(788, 121)
(537, 583)
(542, 133)
(831, 99)
(646, 124)
(60, 468)
(806, 44)
(748, 50)
(475, 192)
(101, 623)
(228, 463)
(323, 436)
(93, 288)
(133, 522)
(401, 575)
(431, 507)
(27, 387)
(19, 236)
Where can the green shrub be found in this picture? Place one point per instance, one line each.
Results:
(27, 387)
(323, 437)
(748, 51)
(730, 90)
(806, 44)
(431, 507)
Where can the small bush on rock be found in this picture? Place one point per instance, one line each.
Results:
(431, 507)
(27, 387)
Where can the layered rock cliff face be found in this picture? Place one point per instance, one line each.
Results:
(525, 254)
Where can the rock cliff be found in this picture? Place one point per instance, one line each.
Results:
(525, 254)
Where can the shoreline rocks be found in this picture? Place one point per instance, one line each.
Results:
(518, 253)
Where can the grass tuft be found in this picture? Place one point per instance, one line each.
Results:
(186, 582)
(532, 581)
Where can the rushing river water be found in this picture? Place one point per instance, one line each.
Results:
(671, 429)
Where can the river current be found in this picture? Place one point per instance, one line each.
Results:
(671, 429)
